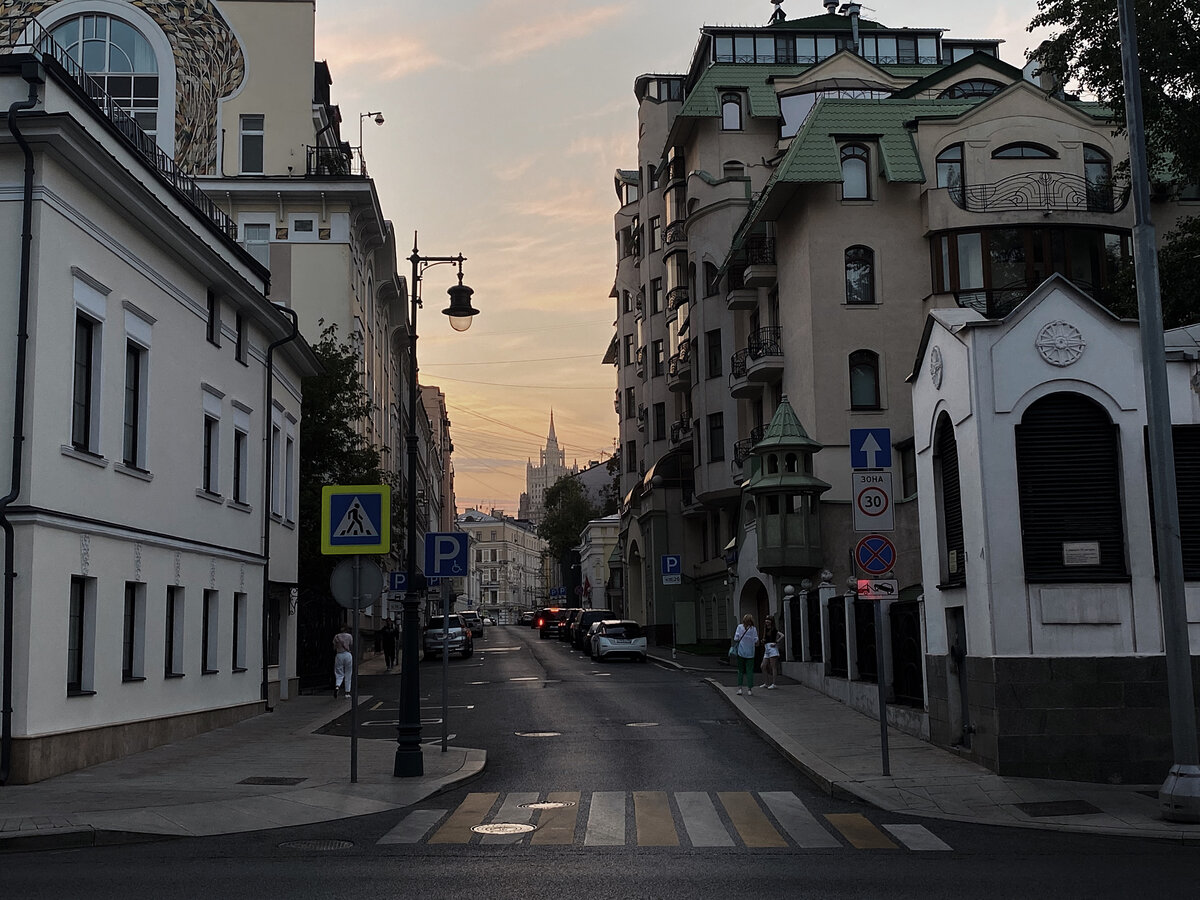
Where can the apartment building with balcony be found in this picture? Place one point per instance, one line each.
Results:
(804, 196)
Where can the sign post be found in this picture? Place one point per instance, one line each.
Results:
(447, 554)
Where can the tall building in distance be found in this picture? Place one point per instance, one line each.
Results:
(552, 465)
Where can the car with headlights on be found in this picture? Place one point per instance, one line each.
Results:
(451, 635)
(618, 637)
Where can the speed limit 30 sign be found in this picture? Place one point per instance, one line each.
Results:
(873, 501)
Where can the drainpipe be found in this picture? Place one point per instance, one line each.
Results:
(268, 477)
(32, 74)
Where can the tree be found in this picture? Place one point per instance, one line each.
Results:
(1084, 49)
(332, 451)
(567, 512)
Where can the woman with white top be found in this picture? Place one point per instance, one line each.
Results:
(744, 641)
(772, 637)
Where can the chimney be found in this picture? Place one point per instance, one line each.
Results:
(831, 6)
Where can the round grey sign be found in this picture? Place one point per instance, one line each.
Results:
(341, 584)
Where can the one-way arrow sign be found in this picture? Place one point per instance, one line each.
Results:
(870, 448)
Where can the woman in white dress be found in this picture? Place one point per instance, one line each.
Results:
(772, 638)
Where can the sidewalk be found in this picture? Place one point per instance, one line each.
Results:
(838, 748)
(270, 771)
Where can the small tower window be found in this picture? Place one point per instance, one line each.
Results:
(731, 112)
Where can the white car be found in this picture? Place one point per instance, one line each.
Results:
(618, 637)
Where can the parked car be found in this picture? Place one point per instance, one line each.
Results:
(547, 620)
(526, 618)
(564, 626)
(474, 622)
(580, 627)
(459, 639)
(619, 637)
(487, 620)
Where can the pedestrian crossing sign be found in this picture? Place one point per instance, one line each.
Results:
(356, 518)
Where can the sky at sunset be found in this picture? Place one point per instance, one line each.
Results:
(505, 120)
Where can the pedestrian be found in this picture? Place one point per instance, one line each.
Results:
(389, 644)
(772, 638)
(745, 639)
(343, 661)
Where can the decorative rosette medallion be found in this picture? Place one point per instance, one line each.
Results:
(1060, 343)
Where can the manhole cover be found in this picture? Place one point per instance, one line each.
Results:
(538, 733)
(547, 804)
(317, 845)
(270, 779)
(503, 828)
(641, 724)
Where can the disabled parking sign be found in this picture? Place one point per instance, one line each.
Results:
(446, 554)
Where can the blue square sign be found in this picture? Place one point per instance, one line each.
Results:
(446, 554)
(870, 448)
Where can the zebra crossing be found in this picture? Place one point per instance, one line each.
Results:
(685, 819)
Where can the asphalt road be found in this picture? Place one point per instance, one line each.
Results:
(658, 791)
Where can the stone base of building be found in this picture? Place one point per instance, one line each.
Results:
(44, 756)
(860, 695)
(1096, 719)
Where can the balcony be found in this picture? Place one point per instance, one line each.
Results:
(342, 161)
(676, 170)
(677, 297)
(639, 307)
(742, 448)
(740, 385)
(641, 362)
(675, 233)
(679, 369)
(765, 354)
(760, 268)
(1042, 192)
(681, 433)
(642, 417)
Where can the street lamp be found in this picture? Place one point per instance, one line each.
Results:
(409, 761)
(367, 115)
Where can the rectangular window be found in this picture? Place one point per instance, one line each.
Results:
(212, 444)
(630, 352)
(241, 466)
(908, 469)
(133, 446)
(213, 329)
(252, 144)
(630, 403)
(289, 479)
(626, 302)
(239, 632)
(655, 233)
(276, 471)
(659, 358)
(712, 342)
(239, 349)
(81, 624)
(209, 636)
(173, 657)
(716, 437)
(256, 238)
(86, 382)
(631, 456)
(133, 642)
(660, 421)
(656, 295)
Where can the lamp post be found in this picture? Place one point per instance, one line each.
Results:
(409, 761)
(378, 116)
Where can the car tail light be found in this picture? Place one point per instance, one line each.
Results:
(541, 622)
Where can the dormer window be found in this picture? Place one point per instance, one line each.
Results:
(731, 112)
(1024, 150)
(977, 87)
(855, 184)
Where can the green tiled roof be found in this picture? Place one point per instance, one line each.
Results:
(704, 99)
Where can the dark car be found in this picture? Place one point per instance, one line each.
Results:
(526, 618)
(547, 620)
(579, 628)
(564, 627)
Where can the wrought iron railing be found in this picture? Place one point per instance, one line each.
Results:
(675, 232)
(341, 161)
(24, 34)
(760, 250)
(908, 664)
(681, 431)
(680, 362)
(737, 364)
(1060, 191)
(864, 640)
(839, 649)
(743, 448)
(813, 615)
(994, 304)
(767, 341)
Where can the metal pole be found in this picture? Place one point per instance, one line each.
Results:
(880, 677)
(1179, 797)
(446, 661)
(409, 761)
(356, 593)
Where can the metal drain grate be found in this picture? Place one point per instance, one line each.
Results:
(271, 779)
(548, 804)
(538, 734)
(317, 845)
(1058, 808)
(504, 828)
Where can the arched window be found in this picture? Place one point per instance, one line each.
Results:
(712, 279)
(976, 87)
(860, 275)
(120, 58)
(1069, 490)
(855, 159)
(1097, 172)
(1024, 150)
(731, 112)
(949, 503)
(950, 167)
(733, 169)
(864, 379)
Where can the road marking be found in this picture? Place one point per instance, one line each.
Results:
(413, 827)
(750, 821)
(457, 829)
(653, 821)
(801, 825)
(859, 831)
(376, 706)
(512, 813)
(701, 821)
(606, 820)
(557, 826)
(917, 837)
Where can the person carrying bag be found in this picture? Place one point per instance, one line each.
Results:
(745, 639)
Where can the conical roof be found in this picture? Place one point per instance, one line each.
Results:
(785, 432)
(784, 435)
